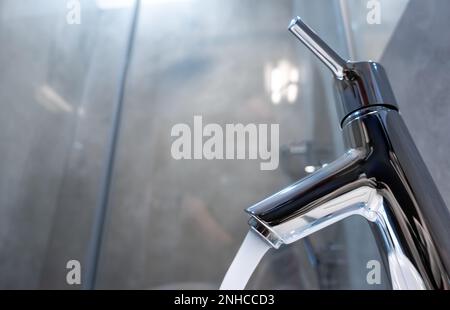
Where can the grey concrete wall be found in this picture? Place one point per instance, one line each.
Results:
(418, 65)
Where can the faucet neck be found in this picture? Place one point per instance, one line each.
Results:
(364, 84)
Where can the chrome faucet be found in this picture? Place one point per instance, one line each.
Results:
(381, 177)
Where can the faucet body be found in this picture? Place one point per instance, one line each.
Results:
(381, 177)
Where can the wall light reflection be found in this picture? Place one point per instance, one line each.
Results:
(282, 82)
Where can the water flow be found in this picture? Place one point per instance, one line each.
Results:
(245, 262)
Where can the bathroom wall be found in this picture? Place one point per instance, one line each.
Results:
(417, 61)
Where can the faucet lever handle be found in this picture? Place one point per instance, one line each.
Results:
(322, 50)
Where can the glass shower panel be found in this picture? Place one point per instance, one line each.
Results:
(178, 223)
(57, 89)
(175, 224)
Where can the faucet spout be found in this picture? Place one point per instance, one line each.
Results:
(310, 204)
